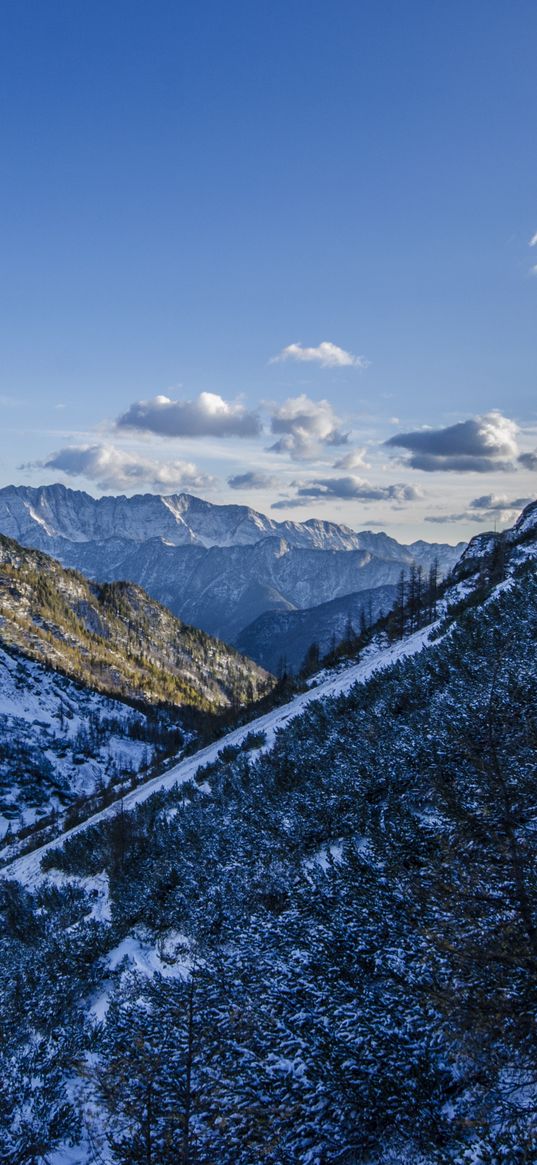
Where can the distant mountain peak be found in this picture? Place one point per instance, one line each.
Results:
(180, 518)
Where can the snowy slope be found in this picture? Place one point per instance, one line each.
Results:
(59, 741)
(27, 869)
(292, 923)
(521, 541)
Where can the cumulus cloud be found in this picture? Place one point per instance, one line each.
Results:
(481, 445)
(528, 460)
(353, 460)
(327, 355)
(487, 508)
(349, 488)
(208, 415)
(492, 503)
(533, 240)
(353, 488)
(113, 468)
(251, 480)
(303, 425)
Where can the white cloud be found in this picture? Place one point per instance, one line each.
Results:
(327, 355)
(481, 445)
(208, 415)
(353, 460)
(488, 508)
(116, 469)
(253, 479)
(302, 425)
(493, 502)
(349, 488)
(533, 240)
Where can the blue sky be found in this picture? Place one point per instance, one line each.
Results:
(194, 197)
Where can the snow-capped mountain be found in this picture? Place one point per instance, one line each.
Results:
(217, 567)
(178, 519)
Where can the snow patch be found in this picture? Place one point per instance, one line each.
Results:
(169, 960)
(332, 852)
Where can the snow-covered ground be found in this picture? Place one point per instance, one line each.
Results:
(35, 693)
(58, 740)
(27, 869)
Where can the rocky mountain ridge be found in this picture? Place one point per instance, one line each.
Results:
(179, 519)
(115, 638)
(216, 567)
(500, 551)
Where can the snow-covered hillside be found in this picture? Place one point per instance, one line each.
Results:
(60, 741)
(27, 869)
(520, 541)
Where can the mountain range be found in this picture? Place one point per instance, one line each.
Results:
(216, 567)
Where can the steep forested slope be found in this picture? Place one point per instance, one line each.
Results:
(328, 954)
(97, 685)
(115, 638)
(281, 639)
